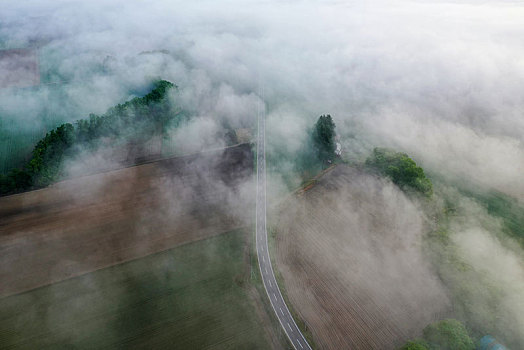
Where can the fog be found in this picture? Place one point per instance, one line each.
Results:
(490, 258)
(440, 80)
(437, 79)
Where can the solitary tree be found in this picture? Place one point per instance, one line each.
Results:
(324, 137)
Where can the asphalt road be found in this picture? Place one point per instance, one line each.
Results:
(264, 262)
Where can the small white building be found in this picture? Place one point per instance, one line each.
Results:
(338, 150)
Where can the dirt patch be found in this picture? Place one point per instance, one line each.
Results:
(350, 254)
(19, 68)
(84, 224)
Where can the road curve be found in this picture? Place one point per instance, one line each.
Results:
(264, 262)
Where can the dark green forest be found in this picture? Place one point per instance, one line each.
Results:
(133, 121)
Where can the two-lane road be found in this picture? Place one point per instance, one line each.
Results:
(264, 262)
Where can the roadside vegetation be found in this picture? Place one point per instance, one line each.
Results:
(319, 152)
(316, 152)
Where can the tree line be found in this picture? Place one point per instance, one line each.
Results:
(141, 117)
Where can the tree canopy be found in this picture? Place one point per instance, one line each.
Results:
(448, 334)
(417, 344)
(401, 169)
(141, 116)
(324, 137)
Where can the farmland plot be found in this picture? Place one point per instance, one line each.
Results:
(349, 251)
(84, 224)
(195, 296)
(19, 68)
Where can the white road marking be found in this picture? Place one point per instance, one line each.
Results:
(289, 327)
(300, 344)
(274, 296)
(270, 283)
(282, 312)
(265, 268)
(263, 259)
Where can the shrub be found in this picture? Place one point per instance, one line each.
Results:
(401, 169)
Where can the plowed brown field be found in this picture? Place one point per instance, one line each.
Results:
(19, 68)
(349, 251)
(85, 224)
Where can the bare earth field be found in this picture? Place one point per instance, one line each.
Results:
(349, 251)
(19, 68)
(88, 223)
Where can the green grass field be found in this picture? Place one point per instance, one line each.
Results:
(195, 296)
